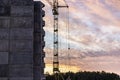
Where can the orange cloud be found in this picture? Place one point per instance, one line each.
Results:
(63, 68)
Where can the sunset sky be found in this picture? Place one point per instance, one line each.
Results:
(94, 35)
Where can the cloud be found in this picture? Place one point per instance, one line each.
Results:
(63, 68)
(106, 63)
(90, 61)
(94, 34)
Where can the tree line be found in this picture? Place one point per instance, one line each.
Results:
(85, 76)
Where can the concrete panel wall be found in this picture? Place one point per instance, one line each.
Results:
(4, 39)
(37, 72)
(38, 42)
(4, 45)
(21, 2)
(21, 45)
(22, 78)
(22, 11)
(21, 40)
(4, 22)
(3, 78)
(4, 70)
(16, 39)
(4, 34)
(21, 70)
(21, 58)
(4, 2)
(22, 22)
(5, 11)
(21, 33)
(3, 58)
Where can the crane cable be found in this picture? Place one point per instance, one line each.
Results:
(68, 38)
(67, 42)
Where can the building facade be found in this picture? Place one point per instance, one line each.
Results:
(21, 40)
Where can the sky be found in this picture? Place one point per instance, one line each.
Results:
(94, 30)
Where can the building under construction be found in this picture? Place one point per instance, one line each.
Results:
(21, 40)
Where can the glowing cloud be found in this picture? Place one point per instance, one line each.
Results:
(94, 34)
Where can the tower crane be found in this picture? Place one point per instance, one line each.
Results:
(55, 10)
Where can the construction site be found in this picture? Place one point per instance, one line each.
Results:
(30, 49)
(22, 39)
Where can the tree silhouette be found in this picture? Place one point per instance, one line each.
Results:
(86, 76)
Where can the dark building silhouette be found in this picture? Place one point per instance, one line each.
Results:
(21, 40)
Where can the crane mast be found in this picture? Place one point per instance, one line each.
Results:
(55, 52)
(55, 7)
(56, 43)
